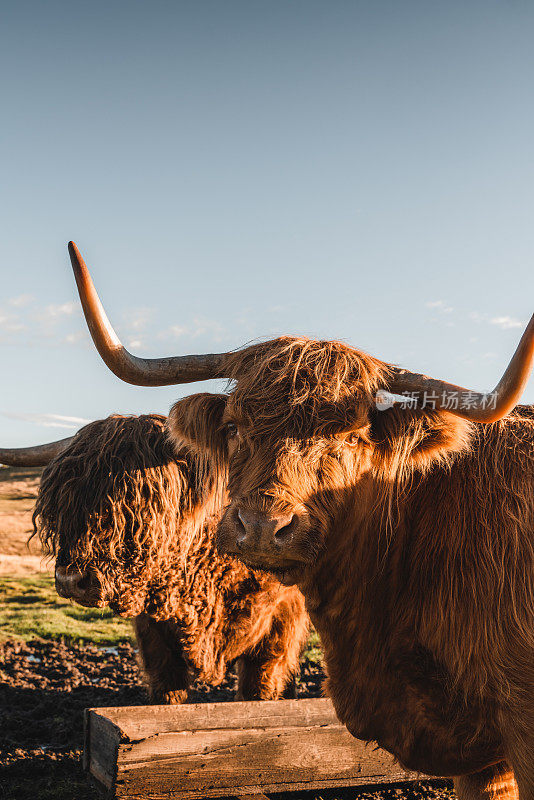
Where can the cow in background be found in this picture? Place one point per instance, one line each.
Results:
(131, 523)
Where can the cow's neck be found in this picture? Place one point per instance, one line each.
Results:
(360, 549)
(363, 600)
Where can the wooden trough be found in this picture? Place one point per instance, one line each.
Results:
(228, 749)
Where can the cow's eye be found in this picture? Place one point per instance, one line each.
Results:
(231, 430)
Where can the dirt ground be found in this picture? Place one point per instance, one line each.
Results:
(44, 688)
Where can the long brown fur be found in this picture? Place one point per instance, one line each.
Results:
(138, 519)
(413, 546)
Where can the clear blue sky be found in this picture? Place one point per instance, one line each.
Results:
(233, 170)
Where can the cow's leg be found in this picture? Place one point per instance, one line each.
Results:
(261, 677)
(493, 783)
(265, 669)
(162, 660)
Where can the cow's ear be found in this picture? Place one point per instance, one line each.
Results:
(197, 422)
(415, 438)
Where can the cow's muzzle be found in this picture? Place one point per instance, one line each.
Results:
(82, 587)
(264, 540)
(263, 531)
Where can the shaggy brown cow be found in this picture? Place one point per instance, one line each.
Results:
(410, 532)
(132, 523)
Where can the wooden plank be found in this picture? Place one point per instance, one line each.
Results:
(137, 722)
(230, 749)
(255, 759)
(101, 747)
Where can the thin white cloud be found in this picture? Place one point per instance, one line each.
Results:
(61, 310)
(21, 300)
(48, 420)
(47, 323)
(173, 332)
(199, 327)
(439, 305)
(10, 323)
(59, 324)
(202, 326)
(138, 318)
(75, 337)
(507, 322)
(21, 314)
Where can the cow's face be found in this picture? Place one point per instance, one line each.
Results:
(303, 447)
(109, 509)
(286, 494)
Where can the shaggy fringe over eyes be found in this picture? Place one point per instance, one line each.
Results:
(119, 497)
(303, 387)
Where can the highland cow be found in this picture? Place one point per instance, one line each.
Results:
(131, 523)
(409, 531)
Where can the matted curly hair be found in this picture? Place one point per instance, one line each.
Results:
(125, 506)
(123, 502)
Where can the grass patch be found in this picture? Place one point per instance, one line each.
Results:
(312, 651)
(30, 608)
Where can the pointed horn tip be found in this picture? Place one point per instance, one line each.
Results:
(78, 264)
(75, 255)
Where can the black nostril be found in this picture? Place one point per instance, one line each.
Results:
(69, 584)
(83, 583)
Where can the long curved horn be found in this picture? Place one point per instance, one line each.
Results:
(38, 456)
(473, 405)
(130, 368)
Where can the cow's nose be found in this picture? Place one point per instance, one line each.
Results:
(264, 529)
(70, 583)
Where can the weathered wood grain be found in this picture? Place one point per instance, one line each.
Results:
(101, 746)
(143, 721)
(223, 749)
